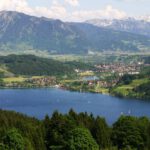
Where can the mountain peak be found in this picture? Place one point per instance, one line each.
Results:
(133, 25)
(10, 13)
(14, 14)
(144, 18)
(10, 16)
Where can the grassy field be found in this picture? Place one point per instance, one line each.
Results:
(99, 89)
(87, 73)
(37, 77)
(14, 79)
(4, 70)
(126, 90)
(139, 81)
(19, 79)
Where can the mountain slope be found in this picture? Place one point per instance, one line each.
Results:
(107, 39)
(20, 32)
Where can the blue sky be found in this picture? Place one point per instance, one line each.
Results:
(131, 7)
(79, 10)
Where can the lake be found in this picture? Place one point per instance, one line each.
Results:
(39, 102)
(90, 78)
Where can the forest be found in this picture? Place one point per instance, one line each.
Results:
(72, 131)
(31, 65)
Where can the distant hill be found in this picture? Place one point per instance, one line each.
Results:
(20, 32)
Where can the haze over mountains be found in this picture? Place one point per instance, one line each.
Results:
(19, 32)
(131, 25)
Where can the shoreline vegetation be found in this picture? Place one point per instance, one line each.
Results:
(72, 131)
(126, 76)
(121, 90)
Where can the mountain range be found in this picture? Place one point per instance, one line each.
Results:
(131, 25)
(21, 32)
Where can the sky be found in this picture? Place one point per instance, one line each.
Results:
(79, 10)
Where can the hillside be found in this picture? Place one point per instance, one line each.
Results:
(55, 36)
(112, 40)
(32, 65)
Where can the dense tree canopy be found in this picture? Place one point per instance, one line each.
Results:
(72, 131)
(30, 128)
(32, 65)
(81, 139)
(13, 140)
(130, 132)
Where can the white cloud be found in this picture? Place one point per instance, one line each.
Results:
(15, 5)
(57, 10)
(108, 12)
(72, 2)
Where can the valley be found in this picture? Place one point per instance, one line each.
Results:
(122, 77)
(74, 79)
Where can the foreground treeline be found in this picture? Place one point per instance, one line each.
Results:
(72, 131)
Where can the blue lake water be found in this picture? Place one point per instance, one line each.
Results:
(39, 102)
(90, 78)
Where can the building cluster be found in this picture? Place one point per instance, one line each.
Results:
(119, 68)
(42, 81)
(115, 68)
